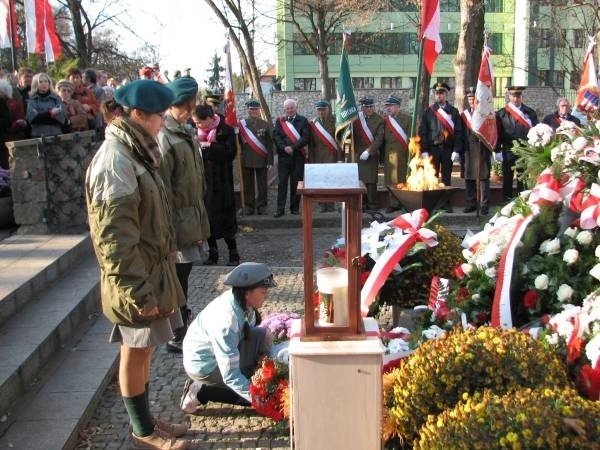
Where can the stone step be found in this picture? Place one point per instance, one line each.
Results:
(34, 334)
(29, 262)
(51, 415)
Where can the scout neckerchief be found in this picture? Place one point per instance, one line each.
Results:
(290, 131)
(396, 130)
(443, 117)
(363, 128)
(324, 136)
(518, 115)
(251, 139)
(467, 118)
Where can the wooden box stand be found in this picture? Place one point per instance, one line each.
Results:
(336, 389)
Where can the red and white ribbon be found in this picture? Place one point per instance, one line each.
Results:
(467, 118)
(444, 118)
(547, 190)
(590, 214)
(363, 128)
(324, 136)
(518, 115)
(290, 131)
(251, 139)
(410, 224)
(396, 130)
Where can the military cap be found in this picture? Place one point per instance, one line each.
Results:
(250, 274)
(147, 95)
(441, 87)
(367, 101)
(253, 104)
(183, 89)
(515, 90)
(322, 104)
(391, 100)
(470, 92)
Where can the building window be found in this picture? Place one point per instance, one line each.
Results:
(450, 5)
(449, 43)
(552, 78)
(300, 47)
(495, 42)
(363, 82)
(580, 38)
(335, 45)
(575, 79)
(333, 85)
(400, 6)
(305, 84)
(391, 82)
(494, 6)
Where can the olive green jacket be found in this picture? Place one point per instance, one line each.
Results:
(319, 150)
(367, 170)
(395, 152)
(261, 129)
(182, 171)
(131, 233)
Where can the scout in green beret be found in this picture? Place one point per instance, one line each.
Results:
(146, 95)
(183, 89)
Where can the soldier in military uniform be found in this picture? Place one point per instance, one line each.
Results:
(514, 122)
(472, 153)
(323, 146)
(257, 158)
(395, 143)
(441, 132)
(368, 139)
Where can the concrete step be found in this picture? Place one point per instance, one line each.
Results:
(62, 401)
(30, 338)
(29, 262)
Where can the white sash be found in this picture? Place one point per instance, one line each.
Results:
(324, 135)
(468, 118)
(519, 115)
(444, 117)
(397, 130)
(290, 130)
(251, 139)
(364, 128)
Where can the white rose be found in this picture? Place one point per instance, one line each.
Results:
(597, 252)
(580, 143)
(491, 272)
(551, 246)
(540, 135)
(571, 232)
(595, 272)
(592, 350)
(564, 293)
(475, 297)
(433, 332)
(552, 339)
(541, 282)
(585, 237)
(571, 256)
(466, 268)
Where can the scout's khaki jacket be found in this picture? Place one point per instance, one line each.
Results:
(130, 226)
(182, 171)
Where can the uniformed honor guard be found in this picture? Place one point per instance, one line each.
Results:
(441, 132)
(514, 122)
(368, 139)
(474, 153)
(257, 158)
(395, 143)
(323, 146)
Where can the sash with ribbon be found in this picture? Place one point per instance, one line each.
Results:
(590, 213)
(363, 128)
(251, 139)
(410, 224)
(324, 136)
(396, 130)
(518, 115)
(444, 118)
(467, 119)
(547, 189)
(290, 131)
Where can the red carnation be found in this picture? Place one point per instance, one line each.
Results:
(269, 371)
(458, 273)
(463, 294)
(589, 381)
(530, 299)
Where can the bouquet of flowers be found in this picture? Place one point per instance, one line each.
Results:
(269, 389)
(280, 325)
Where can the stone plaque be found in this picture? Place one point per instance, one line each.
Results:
(331, 176)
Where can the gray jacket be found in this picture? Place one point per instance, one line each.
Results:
(38, 115)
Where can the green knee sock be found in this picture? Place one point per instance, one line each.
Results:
(139, 415)
(147, 394)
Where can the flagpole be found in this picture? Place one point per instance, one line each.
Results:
(413, 125)
(13, 53)
(478, 182)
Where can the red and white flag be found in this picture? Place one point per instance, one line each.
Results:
(587, 94)
(8, 15)
(229, 98)
(430, 33)
(483, 117)
(40, 29)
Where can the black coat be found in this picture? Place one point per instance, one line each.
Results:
(432, 132)
(554, 121)
(281, 140)
(510, 129)
(218, 167)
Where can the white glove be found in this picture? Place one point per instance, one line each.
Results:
(364, 155)
(498, 156)
(424, 155)
(455, 157)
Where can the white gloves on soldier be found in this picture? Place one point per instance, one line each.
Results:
(455, 157)
(498, 157)
(364, 155)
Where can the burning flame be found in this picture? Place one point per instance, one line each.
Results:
(421, 173)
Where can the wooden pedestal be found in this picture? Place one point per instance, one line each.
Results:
(336, 392)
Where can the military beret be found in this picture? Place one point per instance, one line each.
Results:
(391, 100)
(366, 101)
(441, 86)
(470, 92)
(147, 95)
(250, 274)
(322, 104)
(252, 104)
(515, 90)
(183, 89)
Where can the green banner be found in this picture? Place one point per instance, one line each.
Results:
(346, 111)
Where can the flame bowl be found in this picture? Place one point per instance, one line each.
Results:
(429, 200)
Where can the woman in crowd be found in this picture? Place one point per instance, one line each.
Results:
(130, 226)
(223, 344)
(84, 96)
(182, 171)
(75, 112)
(217, 141)
(110, 109)
(45, 110)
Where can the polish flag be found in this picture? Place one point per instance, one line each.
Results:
(7, 11)
(430, 32)
(588, 86)
(229, 98)
(483, 116)
(40, 30)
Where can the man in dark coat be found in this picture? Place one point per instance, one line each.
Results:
(514, 122)
(395, 142)
(474, 153)
(257, 157)
(291, 137)
(562, 113)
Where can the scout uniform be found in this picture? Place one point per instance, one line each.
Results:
(395, 143)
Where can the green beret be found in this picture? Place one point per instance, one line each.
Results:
(183, 89)
(322, 104)
(252, 104)
(391, 100)
(250, 274)
(147, 95)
